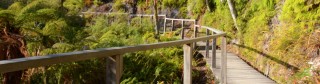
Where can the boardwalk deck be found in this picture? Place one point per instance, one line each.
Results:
(238, 72)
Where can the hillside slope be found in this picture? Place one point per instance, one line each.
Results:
(278, 37)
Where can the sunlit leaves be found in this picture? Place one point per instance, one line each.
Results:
(17, 6)
(196, 6)
(174, 3)
(6, 15)
(40, 4)
(73, 6)
(63, 47)
(55, 27)
(119, 6)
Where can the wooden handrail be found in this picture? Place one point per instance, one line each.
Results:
(181, 19)
(105, 13)
(223, 75)
(114, 53)
(211, 29)
(36, 61)
(146, 15)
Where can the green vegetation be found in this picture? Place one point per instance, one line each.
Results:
(278, 37)
(139, 67)
(51, 27)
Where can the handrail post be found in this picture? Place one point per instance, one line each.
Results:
(172, 25)
(182, 24)
(151, 18)
(140, 20)
(224, 60)
(114, 69)
(195, 32)
(213, 58)
(207, 44)
(164, 26)
(182, 31)
(187, 63)
(128, 21)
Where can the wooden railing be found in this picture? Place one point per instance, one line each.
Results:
(115, 59)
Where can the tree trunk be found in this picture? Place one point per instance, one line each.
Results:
(207, 3)
(134, 7)
(233, 12)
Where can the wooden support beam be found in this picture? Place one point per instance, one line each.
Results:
(224, 60)
(207, 43)
(114, 69)
(213, 58)
(187, 63)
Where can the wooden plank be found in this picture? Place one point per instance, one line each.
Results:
(238, 71)
(187, 64)
(36, 61)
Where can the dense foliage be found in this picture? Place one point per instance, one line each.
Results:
(51, 27)
(278, 37)
(106, 31)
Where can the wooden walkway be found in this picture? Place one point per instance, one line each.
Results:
(238, 71)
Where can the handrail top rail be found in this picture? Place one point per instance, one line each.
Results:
(209, 28)
(37, 61)
(163, 15)
(146, 15)
(181, 19)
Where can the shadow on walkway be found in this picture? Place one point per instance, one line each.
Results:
(294, 68)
